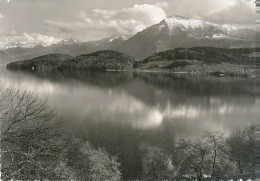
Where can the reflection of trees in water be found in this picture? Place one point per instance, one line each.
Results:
(161, 89)
(98, 78)
(164, 89)
(179, 83)
(198, 84)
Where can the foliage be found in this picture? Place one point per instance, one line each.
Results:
(205, 54)
(178, 64)
(100, 60)
(156, 164)
(212, 157)
(30, 136)
(42, 63)
(34, 144)
(91, 164)
(241, 151)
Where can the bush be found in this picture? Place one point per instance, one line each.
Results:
(31, 136)
(178, 64)
(156, 164)
(34, 145)
(92, 164)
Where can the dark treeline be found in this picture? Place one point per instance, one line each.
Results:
(107, 59)
(205, 54)
(36, 145)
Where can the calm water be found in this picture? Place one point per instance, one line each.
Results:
(123, 112)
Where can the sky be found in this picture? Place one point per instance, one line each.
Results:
(48, 21)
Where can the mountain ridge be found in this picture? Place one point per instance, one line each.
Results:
(177, 32)
(170, 33)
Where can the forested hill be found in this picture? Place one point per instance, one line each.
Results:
(102, 60)
(201, 60)
(205, 54)
(41, 63)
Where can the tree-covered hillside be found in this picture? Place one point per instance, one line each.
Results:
(101, 60)
(205, 54)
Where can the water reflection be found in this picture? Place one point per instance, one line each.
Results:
(142, 101)
(122, 112)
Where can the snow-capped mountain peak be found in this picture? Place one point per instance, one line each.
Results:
(196, 27)
(27, 41)
(117, 37)
(113, 39)
(180, 21)
(69, 41)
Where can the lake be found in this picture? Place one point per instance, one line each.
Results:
(124, 111)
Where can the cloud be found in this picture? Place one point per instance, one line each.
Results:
(26, 39)
(238, 12)
(162, 4)
(123, 21)
(216, 11)
(91, 20)
(1, 19)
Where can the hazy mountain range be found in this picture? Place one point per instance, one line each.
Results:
(173, 32)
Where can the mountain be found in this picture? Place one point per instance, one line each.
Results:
(70, 41)
(101, 60)
(176, 31)
(173, 32)
(27, 41)
(110, 43)
(70, 46)
(20, 44)
(113, 39)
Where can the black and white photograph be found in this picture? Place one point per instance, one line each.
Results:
(129, 90)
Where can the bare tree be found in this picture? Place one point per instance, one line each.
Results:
(34, 144)
(241, 150)
(195, 158)
(157, 164)
(215, 157)
(88, 163)
(30, 136)
(215, 140)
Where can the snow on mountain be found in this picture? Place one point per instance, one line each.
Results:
(197, 27)
(185, 23)
(111, 40)
(69, 41)
(220, 36)
(171, 33)
(30, 41)
(27, 41)
(117, 37)
(176, 31)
